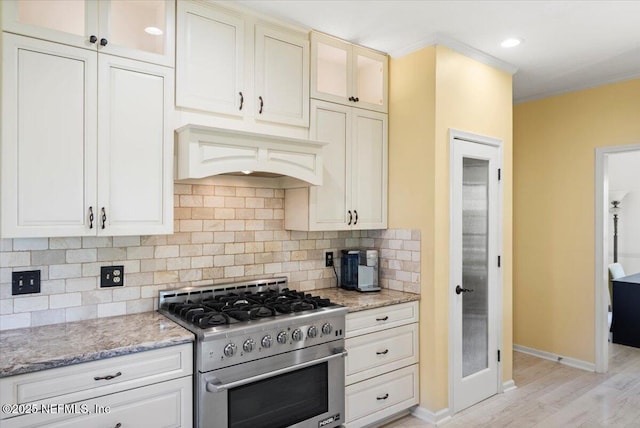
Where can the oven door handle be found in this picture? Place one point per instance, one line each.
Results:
(217, 386)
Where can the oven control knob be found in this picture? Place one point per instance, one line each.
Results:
(327, 328)
(248, 345)
(297, 335)
(230, 349)
(282, 337)
(267, 341)
(312, 332)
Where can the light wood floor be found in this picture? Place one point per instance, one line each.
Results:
(551, 395)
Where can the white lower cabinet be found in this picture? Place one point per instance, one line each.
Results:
(382, 365)
(153, 388)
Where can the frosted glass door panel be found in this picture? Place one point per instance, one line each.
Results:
(475, 215)
(332, 70)
(370, 76)
(67, 16)
(138, 24)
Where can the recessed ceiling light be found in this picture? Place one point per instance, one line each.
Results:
(154, 31)
(510, 42)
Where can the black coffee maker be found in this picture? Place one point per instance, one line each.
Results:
(359, 270)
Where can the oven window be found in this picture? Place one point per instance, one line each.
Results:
(281, 400)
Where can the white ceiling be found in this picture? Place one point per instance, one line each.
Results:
(568, 45)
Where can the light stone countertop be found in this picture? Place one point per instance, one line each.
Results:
(38, 348)
(32, 349)
(357, 301)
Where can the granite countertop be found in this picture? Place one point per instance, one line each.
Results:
(38, 348)
(357, 301)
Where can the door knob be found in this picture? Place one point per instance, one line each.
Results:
(462, 290)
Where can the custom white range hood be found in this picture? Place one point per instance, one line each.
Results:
(204, 151)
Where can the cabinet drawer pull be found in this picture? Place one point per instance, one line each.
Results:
(350, 218)
(90, 217)
(383, 318)
(118, 425)
(104, 218)
(385, 352)
(241, 100)
(384, 397)
(261, 105)
(108, 377)
(356, 222)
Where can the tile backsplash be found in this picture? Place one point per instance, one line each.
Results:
(222, 234)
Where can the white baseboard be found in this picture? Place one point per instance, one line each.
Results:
(572, 362)
(509, 386)
(434, 418)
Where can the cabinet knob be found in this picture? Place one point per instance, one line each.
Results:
(103, 42)
(241, 100)
(351, 99)
(350, 218)
(356, 99)
(261, 105)
(93, 39)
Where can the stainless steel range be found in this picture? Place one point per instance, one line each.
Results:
(265, 356)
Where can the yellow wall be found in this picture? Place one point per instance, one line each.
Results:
(554, 158)
(431, 91)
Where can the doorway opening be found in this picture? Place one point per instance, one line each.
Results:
(604, 245)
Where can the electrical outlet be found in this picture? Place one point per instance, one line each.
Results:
(328, 259)
(111, 276)
(25, 282)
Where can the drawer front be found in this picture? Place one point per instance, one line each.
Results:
(166, 404)
(380, 397)
(78, 382)
(371, 320)
(381, 352)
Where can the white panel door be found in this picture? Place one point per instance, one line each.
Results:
(331, 123)
(282, 77)
(369, 170)
(48, 138)
(210, 60)
(135, 169)
(474, 275)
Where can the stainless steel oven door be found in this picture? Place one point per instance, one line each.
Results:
(301, 389)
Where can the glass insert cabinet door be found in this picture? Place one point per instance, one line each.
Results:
(138, 29)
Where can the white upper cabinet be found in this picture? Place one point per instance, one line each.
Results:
(348, 74)
(49, 134)
(87, 142)
(135, 147)
(233, 65)
(210, 60)
(282, 77)
(353, 194)
(138, 29)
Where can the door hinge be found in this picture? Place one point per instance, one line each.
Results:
(498, 355)
(499, 174)
(498, 261)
